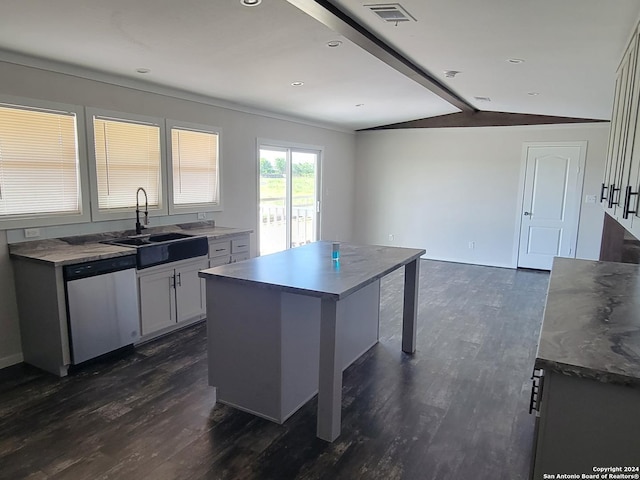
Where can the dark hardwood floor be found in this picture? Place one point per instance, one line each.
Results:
(457, 409)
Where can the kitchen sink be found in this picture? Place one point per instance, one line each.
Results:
(162, 248)
(167, 237)
(130, 242)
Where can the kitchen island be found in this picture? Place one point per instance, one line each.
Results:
(588, 364)
(283, 327)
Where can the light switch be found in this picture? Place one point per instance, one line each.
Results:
(590, 199)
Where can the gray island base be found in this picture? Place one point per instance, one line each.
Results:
(283, 327)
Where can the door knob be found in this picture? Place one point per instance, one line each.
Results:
(527, 214)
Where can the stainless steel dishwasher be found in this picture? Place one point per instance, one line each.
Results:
(102, 306)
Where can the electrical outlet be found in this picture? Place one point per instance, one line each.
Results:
(590, 199)
(31, 232)
(202, 216)
(472, 245)
(391, 237)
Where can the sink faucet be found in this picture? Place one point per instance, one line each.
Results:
(139, 226)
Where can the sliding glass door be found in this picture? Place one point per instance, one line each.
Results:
(289, 205)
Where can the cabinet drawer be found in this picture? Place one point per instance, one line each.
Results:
(219, 249)
(239, 257)
(240, 245)
(217, 261)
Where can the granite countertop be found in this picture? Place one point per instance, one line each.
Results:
(309, 269)
(84, 248)
(591, 325)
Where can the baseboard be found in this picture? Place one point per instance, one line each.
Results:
(11, 360)
(470, 262)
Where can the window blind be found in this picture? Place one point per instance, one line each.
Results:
(127, 156)
(38, 162)
(194, 156)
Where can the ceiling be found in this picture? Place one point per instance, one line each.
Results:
(248, 57)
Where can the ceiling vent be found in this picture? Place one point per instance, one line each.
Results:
(391, 12)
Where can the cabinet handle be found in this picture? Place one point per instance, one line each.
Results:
(179, 279)
(603, 197)
(526, 214)
(612, 193)
(220, 249)
(627, 202)
(172, 281)
(537, 381)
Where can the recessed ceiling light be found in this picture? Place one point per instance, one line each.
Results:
(297, 84)
(451, 73)
(533, 94)
(515, 61)
(250, 3)
(143, 70)
(334, 43)
(359, 104)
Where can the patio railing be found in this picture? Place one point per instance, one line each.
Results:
(273, 226)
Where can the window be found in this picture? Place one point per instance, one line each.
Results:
(288, 195)
(126, 155)
(39, 170)
(195, 168)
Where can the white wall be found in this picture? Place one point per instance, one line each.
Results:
(439, 189)
(238, 152)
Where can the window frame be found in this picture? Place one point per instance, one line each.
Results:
(98, 215)
(47, 219)
(192, 207)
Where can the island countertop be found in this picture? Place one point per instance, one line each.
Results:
(591, 325)
(309, 269)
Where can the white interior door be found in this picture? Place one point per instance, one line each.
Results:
(551, 204)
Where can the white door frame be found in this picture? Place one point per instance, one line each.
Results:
(582, 144)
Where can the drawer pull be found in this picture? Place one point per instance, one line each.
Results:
(537, 380)
(220, 249)
(603, 197)
(612, 195)
(627, 202)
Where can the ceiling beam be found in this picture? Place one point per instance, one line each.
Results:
(338, 21)
(483, 119)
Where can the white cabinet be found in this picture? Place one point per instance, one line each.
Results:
(171, 294)
(240, 249)
(621, 182)
(190, 291)
(231, 250)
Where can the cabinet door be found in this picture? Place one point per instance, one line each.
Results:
(619, 133)
(157, 300)
(190, 290)
(629, 129)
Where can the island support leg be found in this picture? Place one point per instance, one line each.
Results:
(330, 374)
(410, 310)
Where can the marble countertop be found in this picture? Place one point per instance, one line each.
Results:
(591, 325)
(309, 270)
(85, 248)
